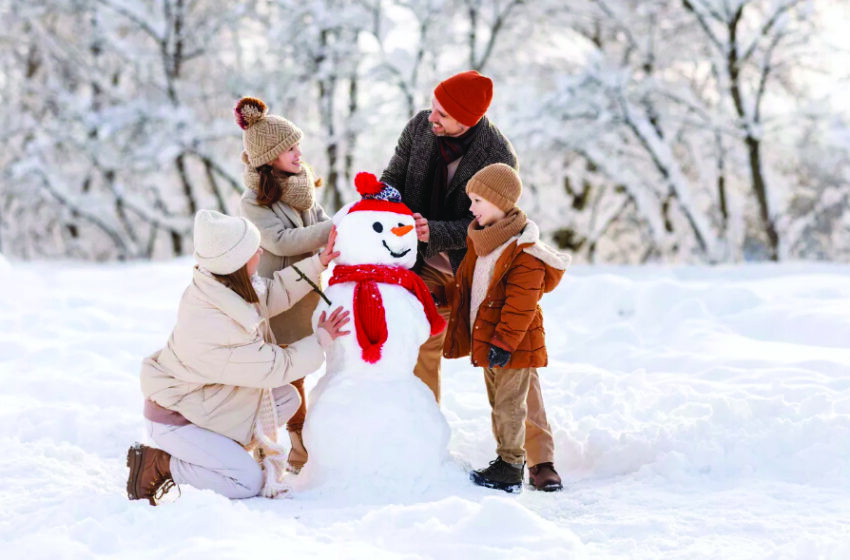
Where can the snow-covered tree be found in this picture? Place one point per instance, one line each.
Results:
(678, 113)
(661, 130)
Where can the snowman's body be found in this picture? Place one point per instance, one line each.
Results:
(406, 328)
(369, 416)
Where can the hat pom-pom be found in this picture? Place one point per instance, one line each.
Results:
(248, 111)
(367, 183)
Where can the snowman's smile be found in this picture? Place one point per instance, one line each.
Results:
(395, 255)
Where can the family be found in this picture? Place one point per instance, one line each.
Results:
(232, 372)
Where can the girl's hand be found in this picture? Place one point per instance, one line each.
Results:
(334, 323)
(328, 254)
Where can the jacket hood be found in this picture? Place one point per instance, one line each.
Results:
(556, 262)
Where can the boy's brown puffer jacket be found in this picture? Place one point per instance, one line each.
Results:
(509, 316)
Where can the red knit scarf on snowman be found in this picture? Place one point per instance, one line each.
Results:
(370, 322)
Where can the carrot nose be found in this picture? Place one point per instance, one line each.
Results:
(401, 230)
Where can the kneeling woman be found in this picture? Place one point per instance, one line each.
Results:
(221, 386)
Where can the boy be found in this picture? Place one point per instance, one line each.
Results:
(496, 318)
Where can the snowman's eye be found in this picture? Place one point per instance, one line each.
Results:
(378, 227)
(400, 224)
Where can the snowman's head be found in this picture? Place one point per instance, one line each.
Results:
(378, 229)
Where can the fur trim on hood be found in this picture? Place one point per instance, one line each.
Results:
(531, 236)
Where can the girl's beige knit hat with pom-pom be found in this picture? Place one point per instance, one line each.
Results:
(266, 136)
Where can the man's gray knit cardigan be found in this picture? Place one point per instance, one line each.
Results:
(412, 169)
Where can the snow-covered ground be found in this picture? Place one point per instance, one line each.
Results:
(698, 413)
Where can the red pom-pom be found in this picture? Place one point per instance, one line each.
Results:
(248, 111)
(367, 183)
(372, 353)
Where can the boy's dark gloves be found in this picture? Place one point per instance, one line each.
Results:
(498, 357)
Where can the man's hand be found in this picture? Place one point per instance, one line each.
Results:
(498, 357)
(422, 231)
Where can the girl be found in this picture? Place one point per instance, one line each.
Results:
(221, 385)
(280, 200)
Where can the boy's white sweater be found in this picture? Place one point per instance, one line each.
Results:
(482, 277)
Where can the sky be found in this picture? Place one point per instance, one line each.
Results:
(835, 55)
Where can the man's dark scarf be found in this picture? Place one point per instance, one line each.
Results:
(450, 148)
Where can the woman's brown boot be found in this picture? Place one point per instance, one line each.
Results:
(150, 473)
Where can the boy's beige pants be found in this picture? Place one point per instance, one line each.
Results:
(539, 443)
(511, 392)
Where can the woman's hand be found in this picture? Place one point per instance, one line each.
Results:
(334, 323)
(328, 254)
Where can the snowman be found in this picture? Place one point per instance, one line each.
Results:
(370, 419)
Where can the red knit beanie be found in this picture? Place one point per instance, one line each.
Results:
(465, 96)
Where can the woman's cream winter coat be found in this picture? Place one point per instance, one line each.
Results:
(221, 356)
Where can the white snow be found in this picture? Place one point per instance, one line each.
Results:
(698, 413)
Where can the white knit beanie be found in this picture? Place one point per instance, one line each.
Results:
(224, 243)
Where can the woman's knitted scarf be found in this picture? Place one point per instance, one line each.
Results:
(486, 239)
(370, 322)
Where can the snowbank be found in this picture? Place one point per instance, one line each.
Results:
(698, 413)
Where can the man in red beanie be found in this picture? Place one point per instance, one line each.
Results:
(437, 153)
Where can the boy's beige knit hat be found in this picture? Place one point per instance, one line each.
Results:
(266, 136)
(497, 183)
(223, 244)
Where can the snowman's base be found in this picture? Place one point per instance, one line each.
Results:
(510, 488)
(374, 425)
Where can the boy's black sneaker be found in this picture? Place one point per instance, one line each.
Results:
(500, 475)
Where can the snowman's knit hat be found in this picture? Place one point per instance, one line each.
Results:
(377, 196)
